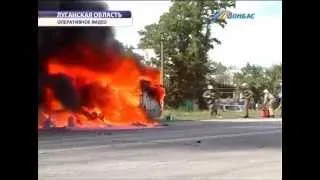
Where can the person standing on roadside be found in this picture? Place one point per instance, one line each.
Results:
(247, 96)
(269, 101)
(211, 97)
(280, 100)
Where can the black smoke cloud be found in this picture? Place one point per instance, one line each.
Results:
(52, 39)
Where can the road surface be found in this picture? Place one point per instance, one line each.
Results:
(186, 150)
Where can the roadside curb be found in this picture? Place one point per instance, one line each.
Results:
(242, 120)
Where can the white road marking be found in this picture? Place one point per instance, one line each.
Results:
(162, 141)
(255, 127)
(97, 136)
(216, 136)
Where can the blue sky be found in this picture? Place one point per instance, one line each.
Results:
(271, 8)
(258, 41)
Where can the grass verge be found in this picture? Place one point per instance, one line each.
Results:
(205, 115)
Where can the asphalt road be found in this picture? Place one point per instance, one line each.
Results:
(186, 150)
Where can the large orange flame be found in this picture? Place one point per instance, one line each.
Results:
(113, 83)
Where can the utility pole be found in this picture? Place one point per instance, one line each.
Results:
(162, 65)
(162, 61)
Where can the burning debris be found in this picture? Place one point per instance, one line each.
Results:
(48, 123)
(71, 122)
(108, 87)
(85, 81)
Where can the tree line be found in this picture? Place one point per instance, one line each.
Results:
(186, 32)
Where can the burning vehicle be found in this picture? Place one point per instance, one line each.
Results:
(86, 81)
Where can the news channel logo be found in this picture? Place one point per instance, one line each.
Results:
(223, 15)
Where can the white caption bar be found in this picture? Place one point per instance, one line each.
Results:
(54, 22)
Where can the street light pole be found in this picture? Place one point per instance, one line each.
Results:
(162, 61)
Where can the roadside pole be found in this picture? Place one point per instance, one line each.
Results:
(162, 66)
(162, 61)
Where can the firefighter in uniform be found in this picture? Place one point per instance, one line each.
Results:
(280, 96)
(280, 99)
(247, 96)
(269, 101)
(211, 97)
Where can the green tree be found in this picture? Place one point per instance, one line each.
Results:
(187, 31)
(221, 73)
(274, 74)
(259, 78)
